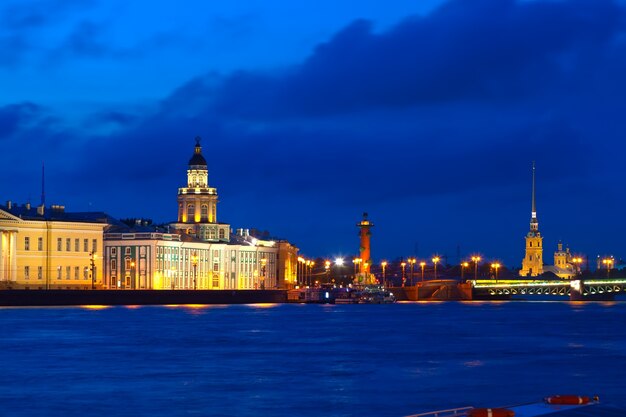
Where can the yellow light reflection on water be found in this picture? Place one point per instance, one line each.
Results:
(95, 307)
(263, 305)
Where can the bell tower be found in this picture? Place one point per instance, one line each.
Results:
(197, 202)
(532, 264)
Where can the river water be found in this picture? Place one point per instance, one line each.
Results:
(306, 360)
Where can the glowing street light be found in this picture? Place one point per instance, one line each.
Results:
(423, 264)
(356, 262)
(463, 266)
(412, 262)
(476, 259)
(496, 266)
(578, 261)
(403, 265)
(384, 266)
(608, 263)
(194, 262)
(339, 261)
(436, 260)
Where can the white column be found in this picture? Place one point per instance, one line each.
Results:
(2, 261)
(12, 254)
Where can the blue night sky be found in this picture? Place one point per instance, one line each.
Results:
(426, 116)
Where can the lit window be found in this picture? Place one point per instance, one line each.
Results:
(191, 211)
(204, 212)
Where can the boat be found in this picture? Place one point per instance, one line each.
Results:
(375, 294)
(554, 406)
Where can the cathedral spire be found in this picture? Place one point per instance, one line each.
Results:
(534, 223)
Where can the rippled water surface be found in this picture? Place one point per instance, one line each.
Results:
(306, 360)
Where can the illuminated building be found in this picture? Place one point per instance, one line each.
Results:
(49, 248)
(196, 252)
(364, 232)
(197, 203)
(532, 264)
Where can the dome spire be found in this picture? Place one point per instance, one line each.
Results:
(197, 159)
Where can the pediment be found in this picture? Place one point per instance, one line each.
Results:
(8, 216)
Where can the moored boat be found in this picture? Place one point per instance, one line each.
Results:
(554, 406)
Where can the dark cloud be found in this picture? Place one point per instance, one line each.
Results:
(474, 49)
(452, 105)
(15, 117)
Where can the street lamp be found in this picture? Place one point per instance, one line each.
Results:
(423, 264)
(92, 258)
(194, 262)
(339, 264)
(608, 262)
(435, 260)
(263, 265)
(475, 259)
(403, 265)
(578, 261)
(496, 266)
(412, 262)
(356, 261)
(384, 266)
(463, 266)
(327, 268)
(300, 270)
(132, 274)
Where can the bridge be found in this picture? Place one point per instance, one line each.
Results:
(575, 289)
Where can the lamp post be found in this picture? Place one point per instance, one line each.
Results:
(475, 259)
(423, 265)
(578, 261)
(412, 263)
(194, 262)
(403, 265)
(383, 264)
(608, 262)
(92, 265)
(436, 260)
(463, 266)
(327, 268)
(339, 264)
(132, 275)
(356, 262)
(299, 278)
(263, 265)
(496, 266)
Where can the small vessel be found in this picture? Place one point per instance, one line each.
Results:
(376, 294)
(554, 406)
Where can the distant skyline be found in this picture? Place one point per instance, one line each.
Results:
(427, 117)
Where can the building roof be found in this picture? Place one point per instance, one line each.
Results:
(57, 213)
(197, 159)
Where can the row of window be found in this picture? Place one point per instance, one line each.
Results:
(70, 272)
(68, 244)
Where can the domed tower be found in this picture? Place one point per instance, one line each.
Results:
(197, 203)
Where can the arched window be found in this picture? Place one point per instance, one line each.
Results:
(204, 213)
(191, 212)
(531, 244)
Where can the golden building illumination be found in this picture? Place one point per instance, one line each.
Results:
(532, 264)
